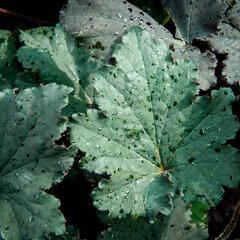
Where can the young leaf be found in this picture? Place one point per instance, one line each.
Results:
(152, 134)
(101, 22)
(199, 212)
(56, 55)
(195, 18)
(30, 161)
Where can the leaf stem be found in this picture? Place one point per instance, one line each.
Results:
(31, 19)
(159, 158)
(232, 224)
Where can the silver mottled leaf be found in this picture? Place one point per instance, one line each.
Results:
(196, 18)
(101, 22)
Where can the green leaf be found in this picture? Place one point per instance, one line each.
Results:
(179, 225)
(99, 24)
(206, 64)
(70, 234)
(195, 19)
(151, 131)
(8, 67)
(30, 161)
(129, 228)
(57, 57)
(199, 212)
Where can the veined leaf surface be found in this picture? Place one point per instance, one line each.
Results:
(176, 226)
(8, 66)
(57, 57)
(152, 134)
(196, 18)
(30, 161)
(99, 23)
(226, 42)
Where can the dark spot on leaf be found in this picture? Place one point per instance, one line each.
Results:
(188, 227)
(98, 45)
(191, 160)
(201, 132)
(130, 10)
(217, 150)
(171, 47)
(112, 61)
(177, 191)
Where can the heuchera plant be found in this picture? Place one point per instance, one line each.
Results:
(131, 96)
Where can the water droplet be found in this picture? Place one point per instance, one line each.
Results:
(118, 15)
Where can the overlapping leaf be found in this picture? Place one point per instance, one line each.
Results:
(152, 8)
(206, 64)
(176, 226)
(179, 225)
(151, 132)
(56, 55)
(101, 22)
(8, 67)
(129, 228)
(227, 42)
(70, 234)
(196, 18)
(30, 161)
